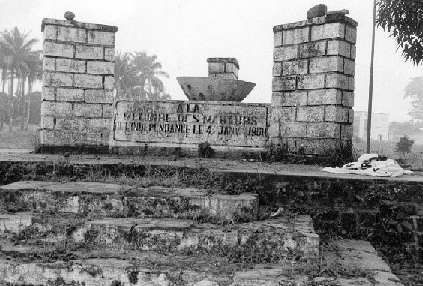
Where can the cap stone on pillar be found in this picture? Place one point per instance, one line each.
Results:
(223, 68)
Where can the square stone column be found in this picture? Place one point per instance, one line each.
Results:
(78, 78)
(313, 84)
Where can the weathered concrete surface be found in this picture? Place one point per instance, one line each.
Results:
(14, 223)
(337, 267)
(282, 237)
(345, 258)
(100, 199)
(148, 270)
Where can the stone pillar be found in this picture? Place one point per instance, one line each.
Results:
(78, 78)
(313, 84)
(226, 68)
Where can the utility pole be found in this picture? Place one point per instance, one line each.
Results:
(369, 109)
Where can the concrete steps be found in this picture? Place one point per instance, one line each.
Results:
(80, 233)
(109, 200)
(350, 262)
(276, 239)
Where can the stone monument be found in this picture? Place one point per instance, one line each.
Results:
(78, 80)
(313, 84)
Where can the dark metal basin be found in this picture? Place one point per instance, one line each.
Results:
(215, 89)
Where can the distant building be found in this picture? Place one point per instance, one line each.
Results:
(380, 124)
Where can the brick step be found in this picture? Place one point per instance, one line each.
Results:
(99, 199)
(345, 262)
(278, 239)
(148, 270)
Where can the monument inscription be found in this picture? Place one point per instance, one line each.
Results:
(182, 122)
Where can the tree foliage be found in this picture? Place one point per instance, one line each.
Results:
(18, 60)
(405, 128)
(404, 145)
(403, 19)
(414, 91)
(138, 75)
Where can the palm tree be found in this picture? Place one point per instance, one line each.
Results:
(148, 70)
(16, 48)
(137, 75)
(35, 72)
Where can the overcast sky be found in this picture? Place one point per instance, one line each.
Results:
(184, 33)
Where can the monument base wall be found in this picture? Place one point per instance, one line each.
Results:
(185, 127)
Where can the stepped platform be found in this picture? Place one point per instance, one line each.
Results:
(121, 220)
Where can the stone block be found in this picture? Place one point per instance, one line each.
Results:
(273, 131)
(296, 36)
(109, 82)
(311, 81)
(311, 50)
(88, 81)
(69, 34)
(216, 67)
(349, 67)
(68, 65)
(294, 67)
(351, 83)
(335, 80)
(66, 94)
(324, 97)
(87, 110)
(94, 67)
(284, 83)
(282, 114)
(47, 122)
(336, 113)
(284, 99)
(285, 53)
(350, 115)
(88, 52)
(337, 47)
(107, 111)
(57, 79)
(328, 31)
(317, 146)
(231, 68)
(326, 64)
(353, 52)
(74, 124)
(109, 54)
(50, 32)
(49, 93)
(323, 130)
(348, 99)
(49, 64)
(69, 138)
(101, 38)
(277, 40)
(56, 109)
(293, 129)
(346, 131)
(351, 34)
(277, 69)
(318, 20)
(58, 50)
(310, 113)
(317, 11)
(223, 75)
(101, 124)
(98, 96)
